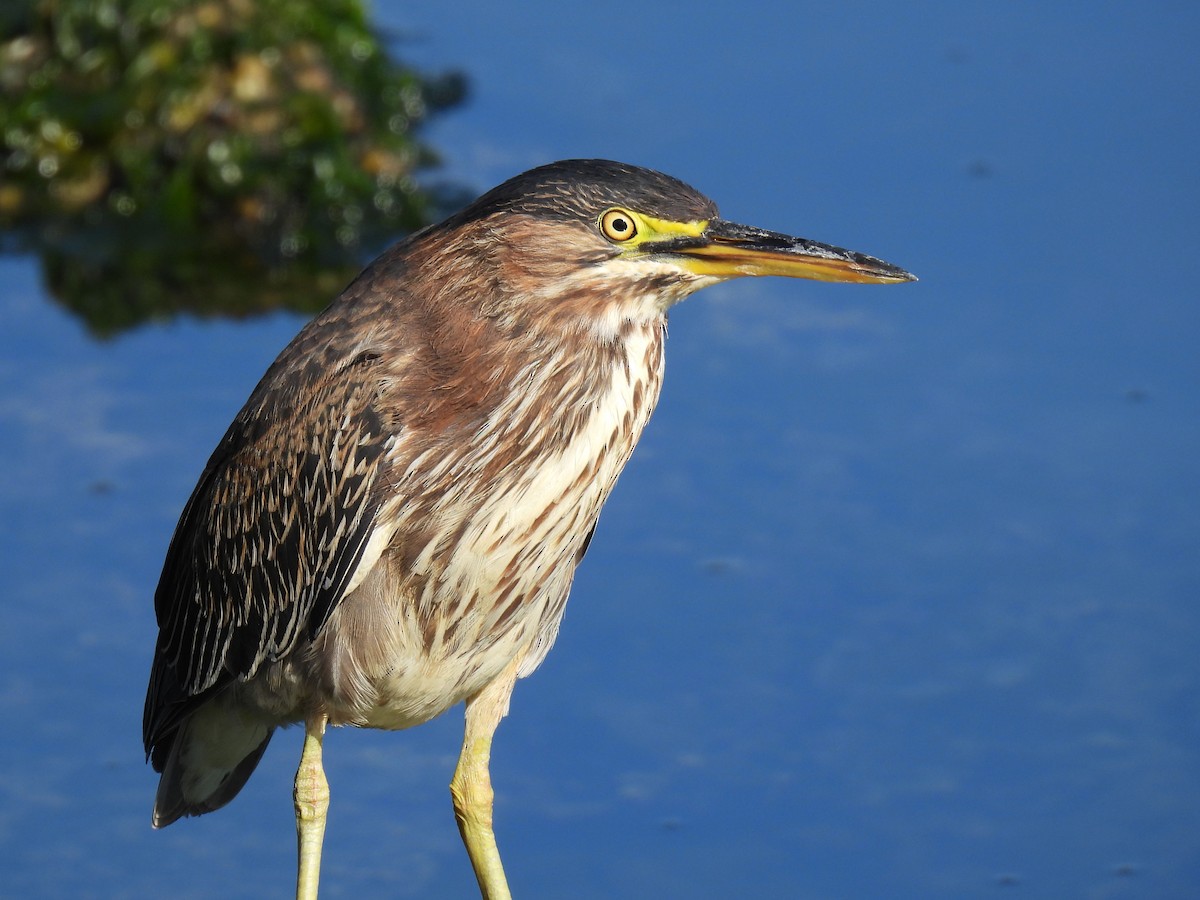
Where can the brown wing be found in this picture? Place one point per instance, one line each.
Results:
(271, 536)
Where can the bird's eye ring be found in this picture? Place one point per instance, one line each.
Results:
(618, 225)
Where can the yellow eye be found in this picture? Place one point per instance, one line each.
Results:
(618, 225)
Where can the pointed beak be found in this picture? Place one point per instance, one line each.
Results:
(727, 250)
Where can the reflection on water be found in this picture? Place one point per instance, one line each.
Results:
(222, 157)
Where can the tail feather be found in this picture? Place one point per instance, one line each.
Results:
(211, 756)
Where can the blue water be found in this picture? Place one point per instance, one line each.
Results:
(900, 595)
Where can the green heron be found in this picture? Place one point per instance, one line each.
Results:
(392, 522)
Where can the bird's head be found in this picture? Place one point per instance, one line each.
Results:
(600, 243)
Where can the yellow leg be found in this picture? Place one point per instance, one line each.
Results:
(312, 803)
(471, 787)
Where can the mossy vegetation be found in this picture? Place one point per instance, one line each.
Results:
(216, 157)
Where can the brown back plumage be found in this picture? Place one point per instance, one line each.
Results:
(434, 392)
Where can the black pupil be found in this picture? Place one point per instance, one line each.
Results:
(619, 225)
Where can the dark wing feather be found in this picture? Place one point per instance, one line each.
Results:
(270, 537)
